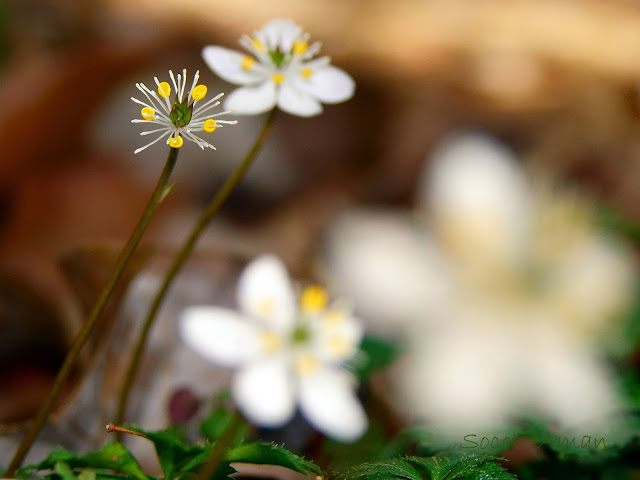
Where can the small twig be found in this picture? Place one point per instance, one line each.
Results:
(112, 427)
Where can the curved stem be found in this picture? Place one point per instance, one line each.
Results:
(209, 214)
(87, 326)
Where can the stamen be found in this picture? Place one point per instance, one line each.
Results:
(306, 364)
(176, 142)
(148, 113)
(184, 82)
(306, 72)
(247, 63)
(199, 92)
(257, 44)
(278, 78)
(339, 346)
(270, 341)
(313, 299)
(209, 126)
(264, 307)
(164, 90)
(334, 317)
(299, 47)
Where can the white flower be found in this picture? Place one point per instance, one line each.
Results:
(285, 352)
(505, 294)
(179, 118)
(282, 72)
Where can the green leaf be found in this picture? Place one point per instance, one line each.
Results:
(375, 354)
(87, 475)
(382, 470)
(219, 419)
(173, 453)
(112, 456)
(452, 464)
(609, 218)
(64, 471)
(449, 465)
(270, 454)
(490, 471)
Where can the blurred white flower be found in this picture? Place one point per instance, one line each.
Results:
(505, 293)
(285, 351)
(282, 72)
(179, 118)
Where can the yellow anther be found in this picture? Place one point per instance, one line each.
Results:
(247, 63)
(164, 90)
(199, 92)
(299, 47)
(339, 346)
(306, 364)
(334, 317)
(257, 44)
(176, 142)
(313, 299)
(264, 307)
(148, 113)
(306, 72)
(278, 78)
(270, 341)
(209, 125)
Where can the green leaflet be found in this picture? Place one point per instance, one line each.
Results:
(174, 455)
(177, 458)
(375, 354)
(112, 456)
(269, 454)
(445, 466)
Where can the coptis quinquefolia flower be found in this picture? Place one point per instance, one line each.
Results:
(179, 118)
(284, 351)
(282, 72)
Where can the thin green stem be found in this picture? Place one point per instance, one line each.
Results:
(89, 323)
(219, 449)
(209, 214)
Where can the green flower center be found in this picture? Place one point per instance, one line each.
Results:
(180, 114)
(300, 334)
(277, 57)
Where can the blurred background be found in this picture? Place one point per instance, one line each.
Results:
(556, 80)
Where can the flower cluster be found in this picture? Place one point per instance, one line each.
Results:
(506, 294)
(285, 350)
(179, 118)
(280, 70)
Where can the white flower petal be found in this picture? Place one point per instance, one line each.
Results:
(328, 84)
(479, 197)
(227, 64)
(220, 335)
(595, 280)
(329, 403)
(569, 382)
(279, 33)
(265, 293)
(461, 380)
(389, 267)
(297, 102)
(264, 392)
(252, 100)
